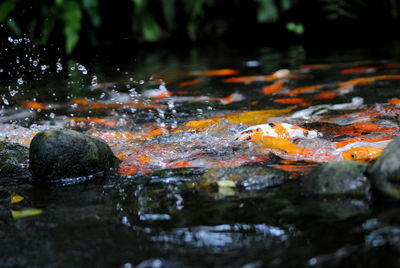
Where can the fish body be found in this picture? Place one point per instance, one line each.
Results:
(277, 130)
(234, 97)
(364, 154)
(284, 145)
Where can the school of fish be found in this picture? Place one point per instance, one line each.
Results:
(299, 131)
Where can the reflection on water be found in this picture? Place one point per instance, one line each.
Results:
(169, 215)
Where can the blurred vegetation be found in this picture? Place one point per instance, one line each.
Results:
(94, 22)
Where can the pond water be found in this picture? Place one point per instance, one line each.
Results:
(159, 210)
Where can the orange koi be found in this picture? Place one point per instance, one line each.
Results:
(157, 93)
(326, 95)
(275, 87)
(300, 101)
(367, 80)
(315, 66)
(362, 69)
(341, 144)
(306, 89)
(246, 79)
(364, 154)
(191, 82)
(217, 72)
(86, 104)
(394, 101)
(134, 164)
(359, 129)
(33, 105)
(234, 97)
(179, 164)
(276, 129)
(247, 118)
(280, 74)
(283, 145)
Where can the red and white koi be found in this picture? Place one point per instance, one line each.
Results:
(277, 130)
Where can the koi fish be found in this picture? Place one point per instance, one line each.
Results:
(315, 66)
(275, 87)
(217, 72)
(33, 105)
(305, 89)
(362, 69)
(326, 95)
(191, 82)
(359, 129)
(280, 74)
(234, 97)
(341, 144)
(284, 145)
(157, 93)
(300, 101)
(278, 130)
(364, 154)
(367, 80)
(394, 101)
(369, 69)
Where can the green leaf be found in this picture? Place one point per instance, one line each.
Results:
(92, 8)
(192, 30)
(286, 4)
(140, 3)
(14, 26)
(59, 2)
(297, 28)
(72, 24)
(267, 11)
(47, 28)
(6, 8)
(169, 12)
(25, 213)
(151, 29)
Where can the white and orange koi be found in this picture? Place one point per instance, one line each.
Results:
(278, 130)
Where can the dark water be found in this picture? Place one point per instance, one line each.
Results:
(156, 220)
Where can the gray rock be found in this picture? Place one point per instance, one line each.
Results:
(385, 172)
(337, 178)
(61, 153)
(246, 178)
(13, 160)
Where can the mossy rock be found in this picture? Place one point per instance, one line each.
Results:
(57, 154)
(385, 172)
(337, 178)
(13, 160)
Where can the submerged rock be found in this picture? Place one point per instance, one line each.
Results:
(385, 172)
(338, 178)
(13, 160)
(242, 178)
(61, 153)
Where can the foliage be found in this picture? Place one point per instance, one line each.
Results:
(152, 21)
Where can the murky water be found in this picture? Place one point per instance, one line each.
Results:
(159, 213)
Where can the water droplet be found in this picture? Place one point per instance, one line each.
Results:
(35, 63)
(43, 67)
(13, 93)
(94, 81)
(20, 81)
(102, 95)
(58, 67)
(82, 69)
(5, 101)
(52, 115)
